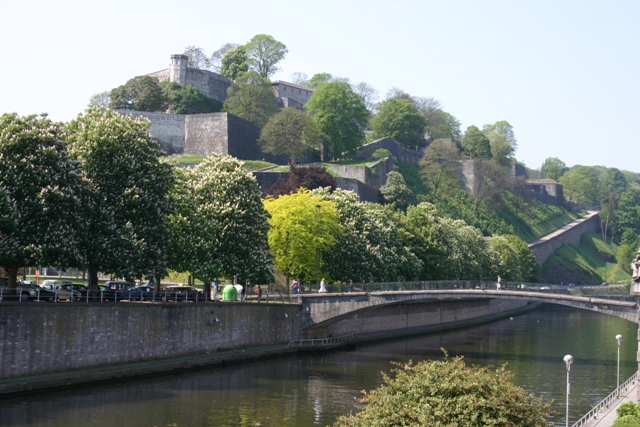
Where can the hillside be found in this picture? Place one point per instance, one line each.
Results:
(590, 263)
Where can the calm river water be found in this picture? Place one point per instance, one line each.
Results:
(313, 390)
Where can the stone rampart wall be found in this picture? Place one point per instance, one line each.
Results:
(400, 152)
(167, 129)
(206, 134)
(209, 83)
(568, 235)
(57, 337)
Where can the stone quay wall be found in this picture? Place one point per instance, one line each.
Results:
(38, 338)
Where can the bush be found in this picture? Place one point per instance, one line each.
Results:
(448, 393)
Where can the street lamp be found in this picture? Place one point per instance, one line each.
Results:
(618, 338)
(318, 247)
(568, 360)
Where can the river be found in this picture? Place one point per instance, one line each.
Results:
(313, 390)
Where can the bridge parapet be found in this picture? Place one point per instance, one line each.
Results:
(319, 308)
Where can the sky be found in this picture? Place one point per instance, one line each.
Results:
(564, 73)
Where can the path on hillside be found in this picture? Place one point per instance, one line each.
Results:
(562, 230)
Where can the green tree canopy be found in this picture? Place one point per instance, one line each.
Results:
(40, 190)
(126, 207)
(220, 225)
(251, 97)
(553, 168)
(439, 166)
(290, 132)
(448, 393)
(320, 78)
(400, 120)
(142, 93)
(263, 53)
(439, 123)
(188, 99)
(475, 144)
(502, 140)
(303, 226)
(341, 116)
(100, 100)
(580, 186)
(234, 63)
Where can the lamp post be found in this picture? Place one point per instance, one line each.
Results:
(618, 338)
(568, 360)
(317, 247)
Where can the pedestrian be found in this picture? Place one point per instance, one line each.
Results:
(214, 291)
(350, 285)
(295, 286)
(499, 285)
(322, 286)
(243, 289)
(259, 292)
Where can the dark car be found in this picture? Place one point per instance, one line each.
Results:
(118, 290)
(183, 293)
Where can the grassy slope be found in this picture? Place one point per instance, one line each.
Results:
(590, 263)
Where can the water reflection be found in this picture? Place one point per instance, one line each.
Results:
(313, 390)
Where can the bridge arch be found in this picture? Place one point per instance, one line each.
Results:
(409, 310)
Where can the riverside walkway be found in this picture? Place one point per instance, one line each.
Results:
(604, 414)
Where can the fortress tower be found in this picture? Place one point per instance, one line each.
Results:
(178, 71)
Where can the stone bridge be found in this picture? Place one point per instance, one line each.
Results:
(321, 309)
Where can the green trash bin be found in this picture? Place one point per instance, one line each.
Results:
(229, 293)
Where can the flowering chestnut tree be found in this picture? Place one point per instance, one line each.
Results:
(219, 224)
(39, 195)
(125, 207)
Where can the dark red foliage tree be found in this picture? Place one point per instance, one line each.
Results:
(309, 177)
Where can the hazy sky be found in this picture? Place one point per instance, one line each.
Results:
(565, 74)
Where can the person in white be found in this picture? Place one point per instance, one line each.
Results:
(322, 286)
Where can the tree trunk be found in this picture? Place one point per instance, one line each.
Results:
(13, 275)
(93, 279)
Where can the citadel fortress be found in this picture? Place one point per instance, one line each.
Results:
(227, 134)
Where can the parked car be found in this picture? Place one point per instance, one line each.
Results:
(123, 291)
(24, 292)
(50, 284)
(183, 293)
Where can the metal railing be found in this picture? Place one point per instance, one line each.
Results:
(319, 342)
(613, 398)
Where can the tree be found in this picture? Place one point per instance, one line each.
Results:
(371, 248)
(263, 53)
(290, 132)
(475, 144)
(234, 63)
(368, 95)
(220, 224)
(299, 78)
(447, 393)
(399, 119)
(100, 100)
(502, 140)
(216, 57)
(553, 168)
(251, 98)
(341, 116)
(580, 185)
(309, 177)
(39, 192)
(126, 208)
(396, 192)
(439, 167)
(140, 93)
(303, 226)
(320, 78)
(188, 99)
(197, 58)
